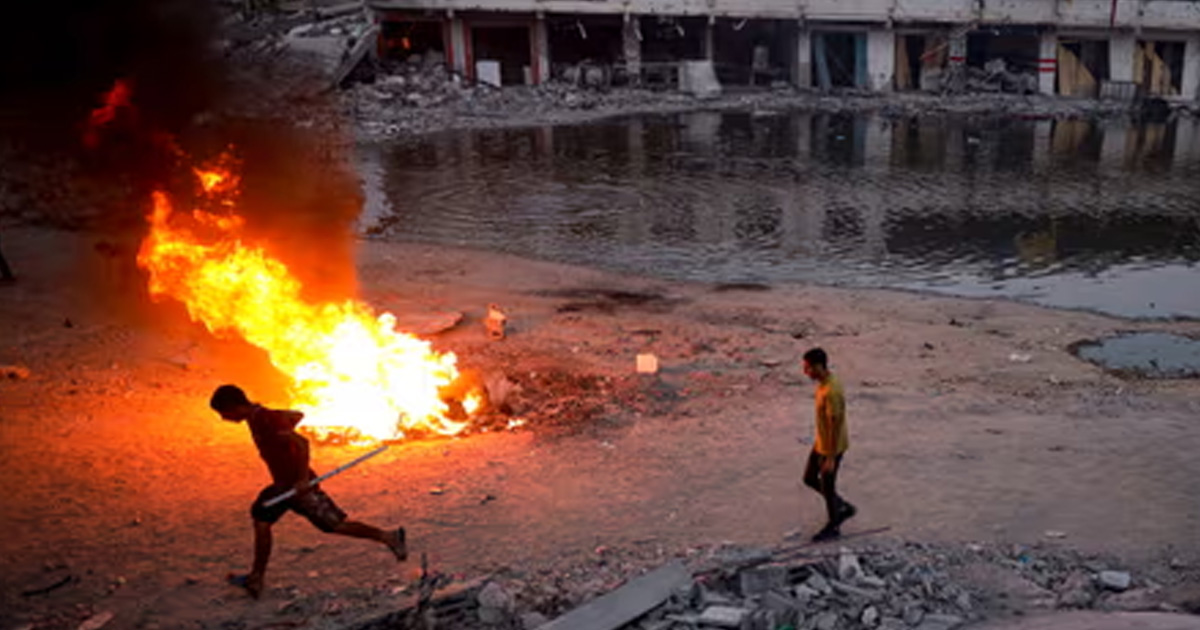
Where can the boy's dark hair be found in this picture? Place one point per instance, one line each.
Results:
(817, 357)
(227, 397)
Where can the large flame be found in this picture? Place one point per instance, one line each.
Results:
(351, 372)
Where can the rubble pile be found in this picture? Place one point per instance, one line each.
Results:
(889, 586)
(995, 76)
(422, 95)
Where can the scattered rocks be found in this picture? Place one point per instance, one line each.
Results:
(496, 605)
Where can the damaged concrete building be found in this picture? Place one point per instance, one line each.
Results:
(1084, 48)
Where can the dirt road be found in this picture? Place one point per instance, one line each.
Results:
(118, 476)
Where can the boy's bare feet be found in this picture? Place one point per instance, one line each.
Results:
(251, 582)
(396, 542)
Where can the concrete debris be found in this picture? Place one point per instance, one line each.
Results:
(826, 621)
(723, 616)
(849, 569)
(995, 76)
(647, 364)
(804, 593)
(904, 586)
(495, 604)
(496, 322)
(818, 583)
(870, 617)
(759, 580)
(1114, 580)
(627, 603)
(1076, 591)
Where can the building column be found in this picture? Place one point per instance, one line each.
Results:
(956, 63)
(633, 48)
(457, 49)
(802, 62)
(1190, 83)
(1047, 62)
(881, 59)
(539, 37)
(1120, 57)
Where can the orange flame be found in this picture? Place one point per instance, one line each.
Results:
(118, 96)
(351, 372)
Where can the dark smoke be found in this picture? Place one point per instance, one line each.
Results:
(56, 59)
(55, 68)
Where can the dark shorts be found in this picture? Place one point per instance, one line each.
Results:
(314, 505)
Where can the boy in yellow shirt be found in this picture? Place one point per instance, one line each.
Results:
(830, 442)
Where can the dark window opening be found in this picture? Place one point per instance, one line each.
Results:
(398, 40)
(508, 45)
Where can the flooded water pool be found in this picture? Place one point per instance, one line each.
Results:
(1069, 214)
(1146, 354)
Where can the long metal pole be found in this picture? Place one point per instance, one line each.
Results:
(340, 469)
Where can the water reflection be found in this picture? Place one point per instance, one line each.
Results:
(1067, 213)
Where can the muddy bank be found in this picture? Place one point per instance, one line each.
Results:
(971, 421)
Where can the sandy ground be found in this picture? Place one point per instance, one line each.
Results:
(116, 473)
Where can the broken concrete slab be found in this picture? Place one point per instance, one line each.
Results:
(723, 616)
(760, 579)
(627, 603)
(366, 42)
(854, 591)
(1118, 581)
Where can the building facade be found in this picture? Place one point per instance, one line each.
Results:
(1083, 48)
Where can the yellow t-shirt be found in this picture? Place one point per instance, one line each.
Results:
(832, 436)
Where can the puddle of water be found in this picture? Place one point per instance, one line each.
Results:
(1067, 214)
(1149, 355)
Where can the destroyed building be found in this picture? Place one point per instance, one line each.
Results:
(1081, 48)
